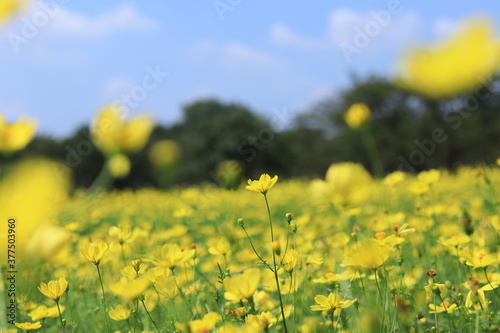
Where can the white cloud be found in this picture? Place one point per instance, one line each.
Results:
(126, 17)
(282, 35)
(385, 29)
(445, 26)
(237, 56)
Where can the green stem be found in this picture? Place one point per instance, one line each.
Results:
(102, 181)
(373, 155)
(103, 298)
(63, 324)
(489, 282)
(149, 315)
(275, 270)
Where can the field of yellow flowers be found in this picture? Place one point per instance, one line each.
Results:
(343, 254)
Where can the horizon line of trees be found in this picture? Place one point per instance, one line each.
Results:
(412, 133)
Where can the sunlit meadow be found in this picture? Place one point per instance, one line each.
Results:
(346, 253)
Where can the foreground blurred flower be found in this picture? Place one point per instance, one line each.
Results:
(201, 325)
(112, 134)
(7, 9)
(242, 286)
(94, 251)
(16, 136)
(264, 184)
(331, 303)
(54, 289)
(357, 115)
(32, 192)
(450, 67)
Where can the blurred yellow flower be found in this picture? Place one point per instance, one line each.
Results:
(130, 289)
(357, 115)
(33, 192)
(429, 177)
(454, 65)
(330, 303)
(28, 326)
(42, 312)
(119, 165)
(242, 286)
(172, 255)
(164, 153)
(394, 178)
(475, 297)
(8, 8)
(290, 260)
(205, 324)
(264, 184)
(111, 133)
(345, 184)
(260, 322)
(94, 251)
(16, 136)
(369, 254)
(120, 312)
(477, 258)
(167, 287)
(54, 289)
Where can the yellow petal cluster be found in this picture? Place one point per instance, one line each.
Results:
(16, 136)
(54, 289)
(357, 115)
(451, 66)
(112, 134)
(242, 286)
(94, 251)
(264, 184)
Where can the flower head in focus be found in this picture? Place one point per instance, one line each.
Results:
(94, 251)
(54, 289)
(264, 184)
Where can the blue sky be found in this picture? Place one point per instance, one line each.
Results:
(62, 61)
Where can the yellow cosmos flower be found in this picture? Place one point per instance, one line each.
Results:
(357, 115)
(16, 136)
(167, 287)
(443, 307)
(119, 165)
(130, 289)
(264, 184)
(94, 251)
(330, 303)
(205, 324)
(172, 255)
(477, 258)
(429, 177)
(119, 313)
(345, 184)
(370, 254)
(28, 326)
(164, 153)
(455, 65)
(475, 297)
(8, 8)
(54, 289)
(242, 286)
(111, 133)
(290, 260)
(42, 312)
(260, 322)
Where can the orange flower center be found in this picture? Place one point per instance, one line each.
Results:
(481, 256)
